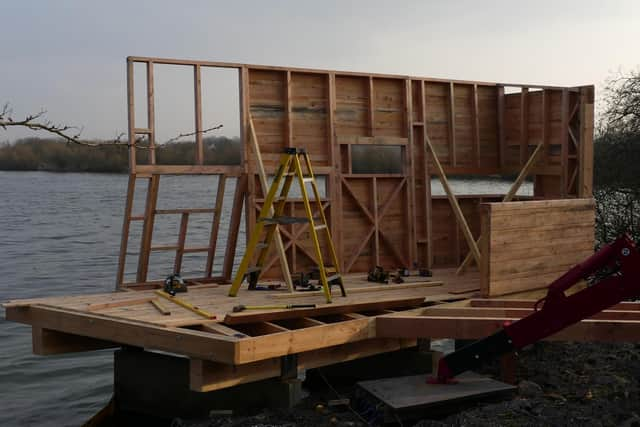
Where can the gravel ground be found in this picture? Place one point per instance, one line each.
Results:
(561, 384)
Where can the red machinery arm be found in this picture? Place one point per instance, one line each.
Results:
(558, 310)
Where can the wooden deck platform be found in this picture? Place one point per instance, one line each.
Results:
(236, 347)
(242, 347)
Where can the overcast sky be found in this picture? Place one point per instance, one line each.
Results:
(68, 57)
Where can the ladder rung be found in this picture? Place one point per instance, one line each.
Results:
(261, 245)
(333, 277)
(253, 269)
(284, 220)
(307, 179)
(320, 227)
(136, 218)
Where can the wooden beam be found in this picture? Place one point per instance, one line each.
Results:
(124, 237)
(372, 140)
(182, 236)
(288, 119)
(524, 125)
(380, 303)
(147, 228)
(125, 302)
(140, 334)
(215, 224)
(218, 64)
(409, 170)
(545, 125)
(189, 170)
(376, 223)
(426, 178)
(475, 117)
(502, 142)
(262, 176)
(151, 114)
(513, 190)
(197, 88)
(372, 101)
(313, 338)
(452, 126)
(47, 342)
(585, 149)
(434, 327)
(234, 226)
(462, 222)
(564, 140)
(334, 184)
(208, 376)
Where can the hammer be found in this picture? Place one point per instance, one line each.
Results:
(239, 308)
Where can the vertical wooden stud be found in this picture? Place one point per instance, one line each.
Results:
(147, 228)
(334, 179)
(151, 114)
(288, 130)
(131, 117)
(182, 237)
(452, 126)
(372, 100)
(524, 125)
(234, 226)
(427, 178)
(376, 234)
(197, 88)
(564, 140)
(485, 264)
(585, 154)
(502, 143)
(215, 225)
(476, 126)
(545, 126)
(126, 224)
(408, 171)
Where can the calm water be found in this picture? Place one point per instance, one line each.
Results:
(60, 235)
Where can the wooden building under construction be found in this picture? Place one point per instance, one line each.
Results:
(435, 128)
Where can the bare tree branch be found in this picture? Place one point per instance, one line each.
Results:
(71, 134)
(184, 135)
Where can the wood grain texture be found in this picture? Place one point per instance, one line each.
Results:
(530, 244)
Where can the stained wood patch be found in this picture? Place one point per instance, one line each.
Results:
(532, 243)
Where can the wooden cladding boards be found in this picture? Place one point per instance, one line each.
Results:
(291, 109)
(532, 243)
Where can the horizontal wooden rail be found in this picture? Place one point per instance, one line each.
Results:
(237, 65)
(185, 210)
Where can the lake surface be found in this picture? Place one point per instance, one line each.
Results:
(60, 235)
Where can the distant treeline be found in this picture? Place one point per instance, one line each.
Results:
(54, 155)
(616, 157)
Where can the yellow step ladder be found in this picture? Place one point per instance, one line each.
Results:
(290, 167)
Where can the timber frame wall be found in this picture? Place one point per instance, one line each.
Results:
(476, 128)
